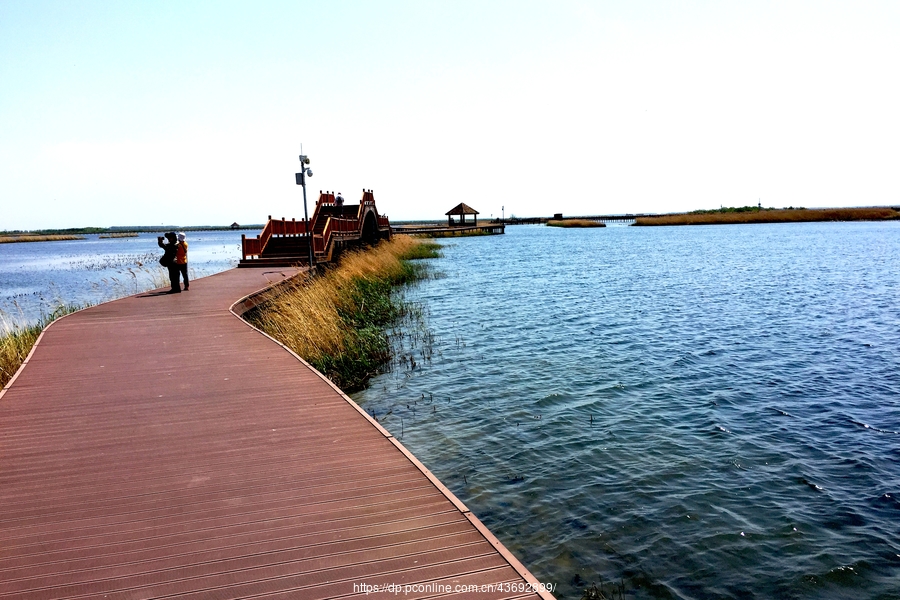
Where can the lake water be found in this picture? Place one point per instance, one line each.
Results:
(696, 412)
(36, 277)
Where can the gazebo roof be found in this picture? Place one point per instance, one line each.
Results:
(461, 209)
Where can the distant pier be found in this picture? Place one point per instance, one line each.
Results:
(443, 230)
(613, 218)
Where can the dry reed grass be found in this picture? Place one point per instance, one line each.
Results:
(773, 216)
(12, 239)
(15, 344)
(335, 321)
(575, 223)
(17, 341)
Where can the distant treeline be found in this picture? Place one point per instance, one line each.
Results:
(755, 214)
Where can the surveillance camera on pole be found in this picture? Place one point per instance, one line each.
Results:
(301, 180)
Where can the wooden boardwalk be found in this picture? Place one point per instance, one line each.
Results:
(159, 447)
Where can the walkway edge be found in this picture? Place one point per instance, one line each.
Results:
(251, 300)
(33, 348)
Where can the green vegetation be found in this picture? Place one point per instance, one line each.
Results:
(337, 321)
(423, 250)
(16, 342)
(575, 223)
(754, 214)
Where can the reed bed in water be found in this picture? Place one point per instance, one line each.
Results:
(575, 223)
(336, 321)
(771, 215)
(12, 239)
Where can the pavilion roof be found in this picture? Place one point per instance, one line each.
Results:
(462, 209)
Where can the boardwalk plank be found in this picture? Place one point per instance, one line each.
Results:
(157, 446)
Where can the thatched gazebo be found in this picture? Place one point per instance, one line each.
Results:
(462, 209)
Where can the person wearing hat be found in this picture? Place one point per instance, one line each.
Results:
(168, 259)
(181, 259)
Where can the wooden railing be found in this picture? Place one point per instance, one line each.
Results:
(283, 227)
(334, 226)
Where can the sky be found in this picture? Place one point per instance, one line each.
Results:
(193, 113)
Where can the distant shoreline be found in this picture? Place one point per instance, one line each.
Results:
(748, 214)
(127, 229)
(28, 237)
(723, 216)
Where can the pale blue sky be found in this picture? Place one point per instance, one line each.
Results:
(127, 113)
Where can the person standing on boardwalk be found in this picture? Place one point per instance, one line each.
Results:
(168, 260)
(181, 259)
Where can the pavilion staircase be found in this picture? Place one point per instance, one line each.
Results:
(334, 227)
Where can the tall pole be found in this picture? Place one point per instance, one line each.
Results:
(309, 237)
(301, 180)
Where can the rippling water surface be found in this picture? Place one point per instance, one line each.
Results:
(698, 412)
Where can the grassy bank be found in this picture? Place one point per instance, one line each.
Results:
(16, 341)
(12, 239)
(336, 321)
(575, 223)
(752, 214)
(15, 344)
